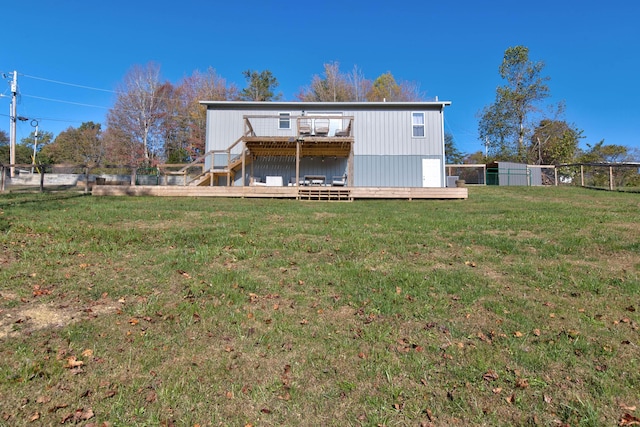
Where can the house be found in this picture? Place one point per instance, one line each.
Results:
(325, 144)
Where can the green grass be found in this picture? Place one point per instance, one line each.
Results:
(517, 306)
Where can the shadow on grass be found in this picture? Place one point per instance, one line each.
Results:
(16, 198)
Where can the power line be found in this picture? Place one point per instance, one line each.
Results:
(68, 84)
(65, 102)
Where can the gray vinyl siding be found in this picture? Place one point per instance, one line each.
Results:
(389, 171)
(390, 133)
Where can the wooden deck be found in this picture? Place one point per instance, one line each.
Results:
(300, 193)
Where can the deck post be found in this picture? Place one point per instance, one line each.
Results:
(611, 178)
(297, 184)
(350, 167)
(244, 150)
(228, 169)
(582, 175)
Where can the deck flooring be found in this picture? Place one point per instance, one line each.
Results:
(301, 193)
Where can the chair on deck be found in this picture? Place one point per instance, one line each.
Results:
(304, 127)
(339, 181)
(322, 127)
(344, 132)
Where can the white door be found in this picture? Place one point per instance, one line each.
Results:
(431, 173)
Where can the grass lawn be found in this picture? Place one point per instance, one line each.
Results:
(517, 306)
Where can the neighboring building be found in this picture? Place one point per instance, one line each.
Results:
(360, 144)
(513, 174)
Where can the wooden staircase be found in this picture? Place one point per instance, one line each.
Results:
(204, 179)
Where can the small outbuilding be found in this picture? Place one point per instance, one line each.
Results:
(513, 174)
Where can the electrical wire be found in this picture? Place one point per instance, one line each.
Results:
(68, 84)
(65, 102)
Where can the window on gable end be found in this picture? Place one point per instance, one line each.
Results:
(417, 124)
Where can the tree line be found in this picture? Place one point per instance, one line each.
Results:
(154, 121)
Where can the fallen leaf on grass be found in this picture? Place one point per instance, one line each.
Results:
(43, 399)
(78, 415)
(522, 383)
(490, 375)
(627, 408)
(38, 291)
(184, 273)
(73, 362)
(518, 334)
(629, 420)
(34, 417)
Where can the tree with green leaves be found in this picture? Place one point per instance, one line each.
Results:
(44, 139)
(453, 156)
(82, 145)
(386, 88)
(260, 86)
(599, 153)
(506, 123)
(554, 142)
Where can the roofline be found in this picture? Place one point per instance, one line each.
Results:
(307, 105)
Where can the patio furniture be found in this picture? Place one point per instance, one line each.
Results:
(339, 181)
(304, 127)
(274, 181)
(315, 179)
(344, 132)
(322, 127)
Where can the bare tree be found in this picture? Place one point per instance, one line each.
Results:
(136, 112)
(333, 87)
(202, 86)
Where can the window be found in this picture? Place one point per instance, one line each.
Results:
(417, 123)
(284, 122)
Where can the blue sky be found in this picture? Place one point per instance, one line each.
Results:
(451, 48)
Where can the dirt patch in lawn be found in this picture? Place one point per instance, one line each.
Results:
(35, 316)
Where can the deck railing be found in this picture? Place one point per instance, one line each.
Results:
(298, 126)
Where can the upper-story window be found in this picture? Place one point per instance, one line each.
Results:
(284, 121)
(417, 124)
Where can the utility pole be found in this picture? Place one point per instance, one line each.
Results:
(14, 117)
(35, 143)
